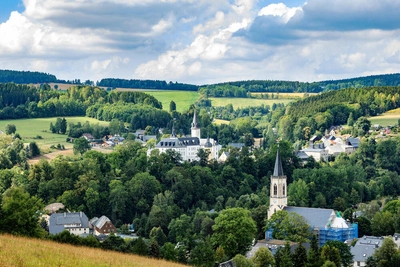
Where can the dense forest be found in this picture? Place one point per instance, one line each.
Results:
(26, 77)
(146, 84)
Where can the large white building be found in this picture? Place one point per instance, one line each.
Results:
(188, 147)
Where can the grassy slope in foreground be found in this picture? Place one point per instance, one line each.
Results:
(28, 129)
(19, 251)
(390, 117)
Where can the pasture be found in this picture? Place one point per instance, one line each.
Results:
(390, 117)
(182, 99)
(245, 102)
(32, 129)
(20, 251)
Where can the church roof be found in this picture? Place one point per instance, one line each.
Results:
(315, 217)
(178, 142)
(278, 170)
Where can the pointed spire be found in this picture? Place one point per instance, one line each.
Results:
(278, 170)
(173, 130)
(195, 123)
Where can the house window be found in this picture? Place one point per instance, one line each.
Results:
(275, 190)
(358, 263)
(283, 190)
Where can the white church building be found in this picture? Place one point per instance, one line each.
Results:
(326, 224)
(188, 147)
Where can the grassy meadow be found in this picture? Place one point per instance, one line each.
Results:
(30, 129)
(19, 251)
(245, 102)
(390, 117)
(182, 99)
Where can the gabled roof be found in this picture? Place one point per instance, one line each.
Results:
(278, 170)
(315, 217)
(355, 142)
(99, 223)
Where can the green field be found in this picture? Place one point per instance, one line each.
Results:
(182, 99)
(245, 102)
(29, 129)
(388, 118)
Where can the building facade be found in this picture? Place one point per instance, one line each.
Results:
(188, 147)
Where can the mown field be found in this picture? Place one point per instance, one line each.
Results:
(388, 118)
(31, 129)
(182, 99)
(284, 95)
(19, 251)
(245, 102)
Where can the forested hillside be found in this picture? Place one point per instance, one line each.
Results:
(23, 101)
(146, 84)
(318, 113)
(225, 89)
(26, 77)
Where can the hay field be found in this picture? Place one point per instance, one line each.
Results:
(284, 95)
(29, 129)
(245, 102)
(390, 117)
(19, 251)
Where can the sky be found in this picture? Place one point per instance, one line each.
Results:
(201, 41)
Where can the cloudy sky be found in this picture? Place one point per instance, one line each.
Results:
(201, 41)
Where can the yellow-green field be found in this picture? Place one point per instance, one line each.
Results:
(182, 99)
(284, 95)
(219, 122)
(245, 102)
(19, 251)
(30, 129)
(388, 118)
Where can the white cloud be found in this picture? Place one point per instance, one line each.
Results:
(203, 41)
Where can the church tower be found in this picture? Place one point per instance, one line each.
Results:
(195, 130)
(278, 190)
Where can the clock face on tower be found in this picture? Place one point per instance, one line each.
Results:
(274, 201)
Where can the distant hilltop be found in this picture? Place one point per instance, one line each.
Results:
(29, 77)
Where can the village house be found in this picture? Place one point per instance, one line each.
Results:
(102, 226)
(76, 223)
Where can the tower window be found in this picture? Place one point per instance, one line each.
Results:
(283, 190)
(275, 190)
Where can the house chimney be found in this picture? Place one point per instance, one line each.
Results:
(80, 214)
(65, 214)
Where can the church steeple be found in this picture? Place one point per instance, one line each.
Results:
(173, 134)
(278, 170)
(278, 190)
(195, 123)
(195, 130)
